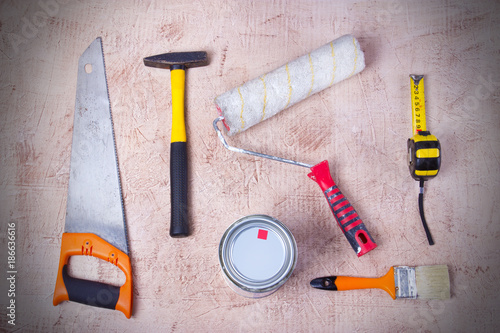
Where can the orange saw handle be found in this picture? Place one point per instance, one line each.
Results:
(91, 292)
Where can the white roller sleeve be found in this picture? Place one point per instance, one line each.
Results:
(265, 96)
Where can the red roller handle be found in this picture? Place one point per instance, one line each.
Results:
(346, 216)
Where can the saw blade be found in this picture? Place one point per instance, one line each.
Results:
(94, 203)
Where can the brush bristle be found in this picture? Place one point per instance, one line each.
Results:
(433, 282)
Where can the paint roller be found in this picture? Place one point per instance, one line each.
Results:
(263, 97)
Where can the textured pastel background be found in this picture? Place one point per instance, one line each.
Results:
(360, 126)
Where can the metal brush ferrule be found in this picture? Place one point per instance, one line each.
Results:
(405, 281)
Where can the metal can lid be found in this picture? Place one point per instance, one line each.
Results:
(258, 253)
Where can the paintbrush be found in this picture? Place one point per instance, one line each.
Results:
(426, 282)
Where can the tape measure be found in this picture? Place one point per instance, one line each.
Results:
(424, 156)
(424, 149)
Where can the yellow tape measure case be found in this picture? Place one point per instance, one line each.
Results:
(424, 156)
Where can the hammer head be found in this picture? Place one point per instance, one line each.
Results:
(177, 60)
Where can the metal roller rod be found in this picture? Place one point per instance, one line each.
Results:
(248, 152)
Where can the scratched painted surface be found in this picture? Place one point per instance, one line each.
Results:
(360, 126)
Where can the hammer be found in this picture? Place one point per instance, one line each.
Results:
(177, 62)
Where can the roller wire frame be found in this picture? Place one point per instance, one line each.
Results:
(253, 153)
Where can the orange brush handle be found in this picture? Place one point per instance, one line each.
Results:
(91, 292)
(385, 282)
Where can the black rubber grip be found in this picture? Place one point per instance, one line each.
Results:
(179, 226)
(90, 292)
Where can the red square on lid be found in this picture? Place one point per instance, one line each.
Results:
(262, 234)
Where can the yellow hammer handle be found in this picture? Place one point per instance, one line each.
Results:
(418, 103)
(177, 79)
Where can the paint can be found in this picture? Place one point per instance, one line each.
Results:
(257, 254)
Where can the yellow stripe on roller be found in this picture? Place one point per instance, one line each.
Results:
(177, 79)
(265, 97)
(334, 63)
(242, 108)
(312, 75)
(355, 56)
(289, 86)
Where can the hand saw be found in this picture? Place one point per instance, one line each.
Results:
(95, 219)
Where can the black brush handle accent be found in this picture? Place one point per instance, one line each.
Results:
(326, 283)
(179, 226)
